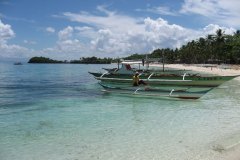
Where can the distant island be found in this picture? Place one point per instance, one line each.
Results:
(83, 60)
(43, 60)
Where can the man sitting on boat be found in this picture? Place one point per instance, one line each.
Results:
(137, 81)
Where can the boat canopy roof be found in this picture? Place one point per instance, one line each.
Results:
(131, 62)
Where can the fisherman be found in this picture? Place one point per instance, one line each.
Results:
(137, 81)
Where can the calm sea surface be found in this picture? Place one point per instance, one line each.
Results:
(58, 112)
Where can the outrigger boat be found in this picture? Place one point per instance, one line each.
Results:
(157, 77)
(119, 80)
(184, 80)
(155, 92)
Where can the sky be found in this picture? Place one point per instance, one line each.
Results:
(70, 29)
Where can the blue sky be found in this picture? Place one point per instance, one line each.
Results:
(70, 29)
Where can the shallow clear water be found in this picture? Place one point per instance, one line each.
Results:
(58, 111)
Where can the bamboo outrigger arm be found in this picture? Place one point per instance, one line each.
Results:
(170, 94)
(135, 92)
(103, 74)
(150, 76)
(184, 75)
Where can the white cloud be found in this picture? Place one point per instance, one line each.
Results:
(212, 28)
(162, 10)
(121, 34)
(102, 8)
(160, 33)
(156, 34)
(110, 43)
(65, 33)
(218, 11)
(82, 29)
(86, 32)
(7, 50)
(112, 20)
(68, 46)
(6, 32)
(50, 29)
(29, 42)
(71, 46)
(14, 51)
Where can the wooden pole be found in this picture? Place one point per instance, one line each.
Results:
(163, 61)
(118, 61)
(147, 63)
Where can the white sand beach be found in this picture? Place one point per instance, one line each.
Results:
(232, 153)
(224, 70)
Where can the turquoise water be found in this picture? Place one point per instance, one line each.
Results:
(59, 112)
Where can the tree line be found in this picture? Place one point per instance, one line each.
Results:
(92, 60)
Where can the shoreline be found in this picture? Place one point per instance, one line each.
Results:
(222, 70)
(228, 152)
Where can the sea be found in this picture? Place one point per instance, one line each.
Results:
(59, 112)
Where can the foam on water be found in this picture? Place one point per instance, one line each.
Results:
(59, 112)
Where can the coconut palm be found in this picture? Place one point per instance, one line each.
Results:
(220, 44)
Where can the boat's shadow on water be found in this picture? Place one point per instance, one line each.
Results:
(143, 97)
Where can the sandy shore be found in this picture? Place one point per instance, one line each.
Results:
(232, 153)
(224, 70)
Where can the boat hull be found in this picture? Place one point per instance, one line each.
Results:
(154, 93)
(198, 82)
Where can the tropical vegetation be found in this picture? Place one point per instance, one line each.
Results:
(92, 60)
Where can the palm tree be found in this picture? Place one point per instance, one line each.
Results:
(233, 44)
(237, 33)
(220, 45)
(209, 48)
(201, 50)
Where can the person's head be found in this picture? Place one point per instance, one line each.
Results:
(136, 74)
